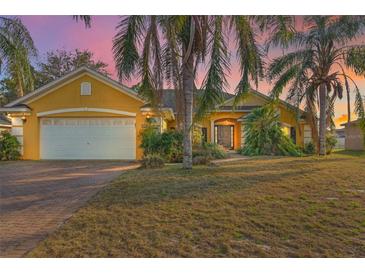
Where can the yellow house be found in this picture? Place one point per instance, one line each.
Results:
(85, 115)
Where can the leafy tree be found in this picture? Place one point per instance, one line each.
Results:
(264, 136)
(316, 71)
(169, 49)
(16, 51)
(61, 62)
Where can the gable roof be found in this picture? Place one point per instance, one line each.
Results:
(354, 122)
(266, 98)
(69, 77)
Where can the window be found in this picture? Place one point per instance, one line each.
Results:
(293, 134)
(85, 89)
(204, 135)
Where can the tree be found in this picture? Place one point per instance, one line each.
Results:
(169, 49)
(16, 51)
(317, 71)
(61, 62)
(264, 135)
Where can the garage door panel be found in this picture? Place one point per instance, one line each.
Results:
(85, 138)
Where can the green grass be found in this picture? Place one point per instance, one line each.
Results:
(267, 207)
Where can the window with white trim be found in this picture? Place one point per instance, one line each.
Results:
(85, 89)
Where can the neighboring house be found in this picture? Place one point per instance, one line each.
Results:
(354, 139)
(85, 115)
(340, 137)
(5, 124)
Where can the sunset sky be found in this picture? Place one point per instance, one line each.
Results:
(61, 32)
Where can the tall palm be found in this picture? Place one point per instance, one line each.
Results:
(169, 49)
(16, 51)
(317, 71)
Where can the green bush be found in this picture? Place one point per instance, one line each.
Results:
(210, 151)
(167, 144)
(264, 136)
(152, 161)
(331, 142)
(309, 148)
(200, 160)
(9, 147)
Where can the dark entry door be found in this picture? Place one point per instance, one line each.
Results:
(224, 136)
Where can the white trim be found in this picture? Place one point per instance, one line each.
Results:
(85, 109)
(42, 91)
(5, 125)
(14, 109)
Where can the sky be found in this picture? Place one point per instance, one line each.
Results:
(62, 32)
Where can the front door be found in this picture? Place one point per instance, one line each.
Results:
(224, 136)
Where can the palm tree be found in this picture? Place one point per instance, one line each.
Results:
(169, 49)
(16, 50)
(317, 71)
(84, 18)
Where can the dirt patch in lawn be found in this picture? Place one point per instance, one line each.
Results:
(269, 207)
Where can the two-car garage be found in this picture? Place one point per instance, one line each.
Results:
(88, 138)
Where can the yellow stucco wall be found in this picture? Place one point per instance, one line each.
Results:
(107, 97)
(287, 116)
(68, 96)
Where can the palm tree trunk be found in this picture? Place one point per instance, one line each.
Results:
(322, 119)
(348, 106)
(188, 86)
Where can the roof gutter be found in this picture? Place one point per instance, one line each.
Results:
(15, 110)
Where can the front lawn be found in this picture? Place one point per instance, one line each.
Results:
(267, 207)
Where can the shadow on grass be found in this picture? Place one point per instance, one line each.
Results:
(354, 153)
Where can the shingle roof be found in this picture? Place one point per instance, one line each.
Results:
(168, 98)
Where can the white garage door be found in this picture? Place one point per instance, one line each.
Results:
(88, 138)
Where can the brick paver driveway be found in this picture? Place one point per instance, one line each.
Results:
(38, 196)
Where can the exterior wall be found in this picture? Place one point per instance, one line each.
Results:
(354, 138)
(68, 96)
(224, 118)
(287, 117)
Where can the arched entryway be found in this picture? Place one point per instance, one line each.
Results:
(225, 131)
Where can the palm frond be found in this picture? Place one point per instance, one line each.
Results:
(248, 54)
(215, 82)
(129, 36)
(84, 18)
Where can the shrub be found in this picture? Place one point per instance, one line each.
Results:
(309, 148)
(331, 142)
(200, 160)
(210, 151)
(153, 161)
(9, 147)
(167, 144)
(215, 151)
(172, 146)
(264, 136)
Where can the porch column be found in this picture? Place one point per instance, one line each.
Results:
(17, 130)
(242, 134)
(212, 131)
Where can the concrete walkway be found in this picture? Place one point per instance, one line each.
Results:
(36, 197)
(232, 157)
